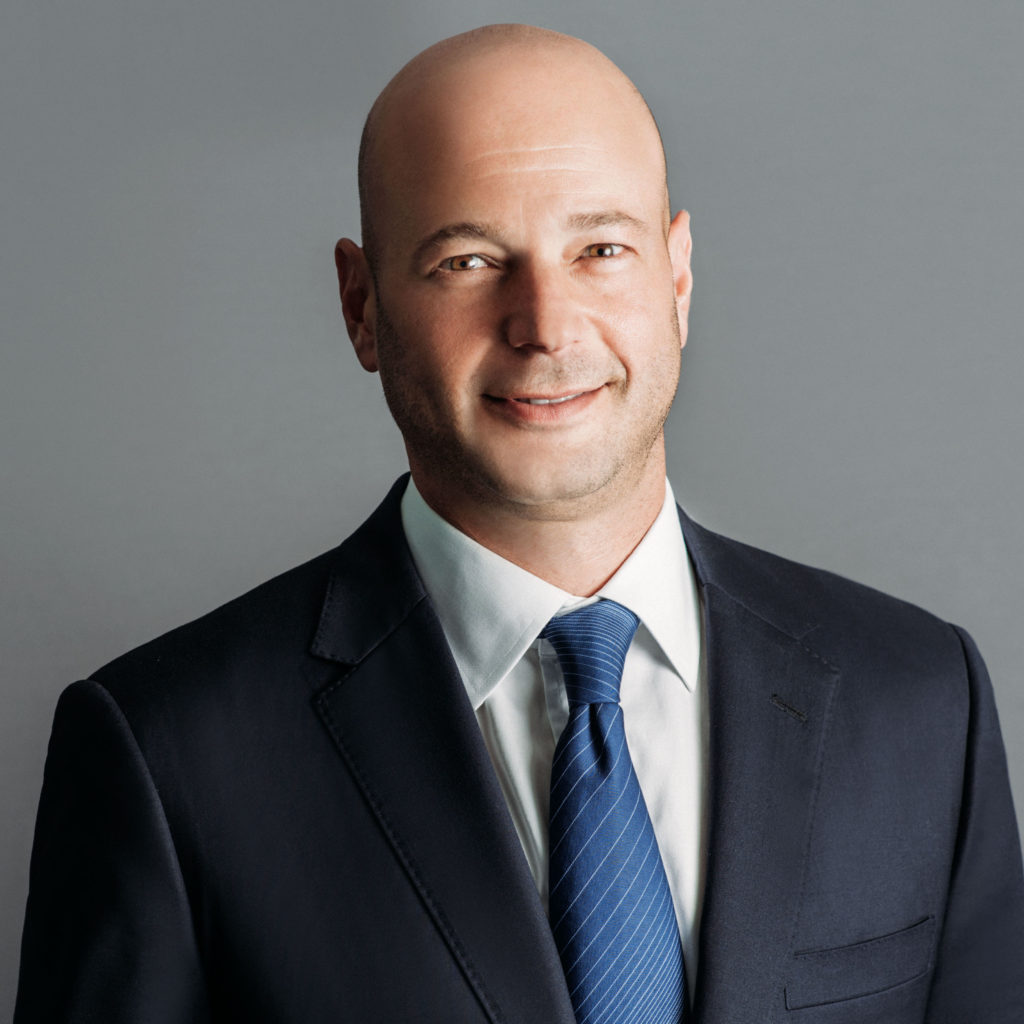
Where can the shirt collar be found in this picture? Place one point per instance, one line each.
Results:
(492, 610)
(658, 585)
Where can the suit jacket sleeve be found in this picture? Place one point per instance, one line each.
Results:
(108, 930)
(980, 959)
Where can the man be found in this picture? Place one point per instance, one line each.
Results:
(329, 799)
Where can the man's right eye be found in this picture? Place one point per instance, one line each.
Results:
(470, 262)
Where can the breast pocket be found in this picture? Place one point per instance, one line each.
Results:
(866, 968)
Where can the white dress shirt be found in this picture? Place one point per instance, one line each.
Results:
(492, 611)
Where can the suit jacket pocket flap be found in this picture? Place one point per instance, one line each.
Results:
(863, 969)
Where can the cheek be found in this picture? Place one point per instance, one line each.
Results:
(457, 338)
(635, 302)
(437, 358)
(646, 328)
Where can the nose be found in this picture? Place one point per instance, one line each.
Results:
(543, 311)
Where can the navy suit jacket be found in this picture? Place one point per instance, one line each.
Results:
(284, 812)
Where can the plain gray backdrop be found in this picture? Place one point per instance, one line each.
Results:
(181, 415)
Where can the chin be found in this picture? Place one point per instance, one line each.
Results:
(550, 492)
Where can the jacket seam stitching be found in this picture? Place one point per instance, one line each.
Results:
(405, 857)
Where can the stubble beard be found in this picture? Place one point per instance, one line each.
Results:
(456, 473)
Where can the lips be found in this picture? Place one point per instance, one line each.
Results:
(549, 401)
(539, 397)
(540, 410)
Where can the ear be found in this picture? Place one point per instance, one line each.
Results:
(358, 301)
(680, 247)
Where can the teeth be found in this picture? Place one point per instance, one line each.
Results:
(549, 401)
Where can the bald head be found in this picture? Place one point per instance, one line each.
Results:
(521, 288)
(474, 93)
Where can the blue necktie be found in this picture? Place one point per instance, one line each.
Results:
(609, 901)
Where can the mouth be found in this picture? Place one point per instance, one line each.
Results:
(549, 401)
(539, 410)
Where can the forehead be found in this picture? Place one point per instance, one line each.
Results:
(533, 133)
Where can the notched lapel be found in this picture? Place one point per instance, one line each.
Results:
(402, 722)
(770, 697)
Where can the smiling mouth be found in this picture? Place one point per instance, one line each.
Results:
(540, 409)
(549, 401)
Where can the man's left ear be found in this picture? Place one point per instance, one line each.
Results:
(680, 247)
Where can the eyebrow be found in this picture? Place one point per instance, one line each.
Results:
(467, 229)
(463, 229)
(604, 219)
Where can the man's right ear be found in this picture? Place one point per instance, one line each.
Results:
(358, 301)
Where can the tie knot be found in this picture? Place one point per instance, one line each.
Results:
(591, 645)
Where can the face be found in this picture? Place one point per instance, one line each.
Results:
(529, 301)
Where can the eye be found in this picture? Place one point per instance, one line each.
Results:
(469, 262)
(603, 250)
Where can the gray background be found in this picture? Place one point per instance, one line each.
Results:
(180, 413)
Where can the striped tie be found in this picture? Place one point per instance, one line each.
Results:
(611, 909)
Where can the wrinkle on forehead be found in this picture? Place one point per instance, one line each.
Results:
(538, 149)
(539, 158)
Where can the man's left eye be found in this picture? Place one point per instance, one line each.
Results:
(603, 249)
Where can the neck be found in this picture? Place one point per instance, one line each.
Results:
(578, 547)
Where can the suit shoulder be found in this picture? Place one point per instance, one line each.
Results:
(247, 635)
(840, 617)
(257, 649)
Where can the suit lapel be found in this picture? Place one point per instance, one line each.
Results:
(402, 723)
(769, 699)
(404, 727)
